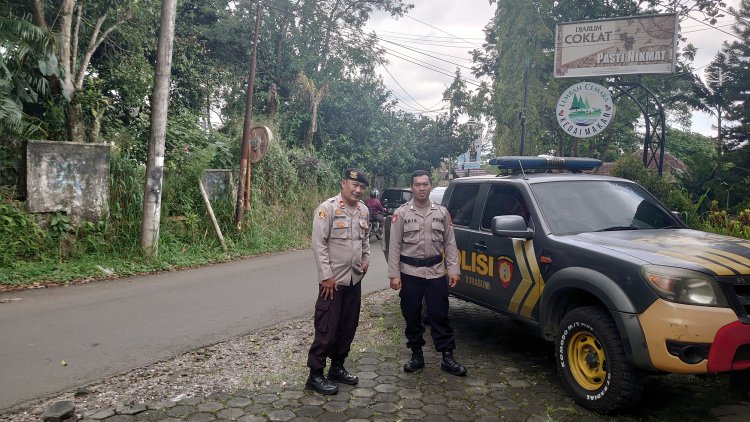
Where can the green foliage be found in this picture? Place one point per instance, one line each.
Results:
(721, 222)
(693, 149)
(11, 165)
(630, 167)
(26, 60)
(676, 198)
(59, 225)
(53, 115)
(22, 237)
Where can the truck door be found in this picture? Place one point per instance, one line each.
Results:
(506, 268)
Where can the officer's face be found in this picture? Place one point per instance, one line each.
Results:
(421, 186)
(352, 191)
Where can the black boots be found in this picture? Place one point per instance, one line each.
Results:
(337, 373)
(451, 366)
(416, 362)
(318, 383)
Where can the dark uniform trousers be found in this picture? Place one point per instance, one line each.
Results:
(336, 323)
(435, 292)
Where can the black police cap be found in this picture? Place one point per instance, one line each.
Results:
(357, 175)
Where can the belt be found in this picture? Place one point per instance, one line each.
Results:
(421, 262)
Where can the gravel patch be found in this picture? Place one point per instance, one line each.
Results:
(266, 359)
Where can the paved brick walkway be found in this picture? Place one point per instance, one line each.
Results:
(511, 377)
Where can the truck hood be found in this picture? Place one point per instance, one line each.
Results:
(709, 253)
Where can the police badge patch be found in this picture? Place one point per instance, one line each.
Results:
(322, 214)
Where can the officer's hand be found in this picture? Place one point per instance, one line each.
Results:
(395, 283)
(365, 267)
(328, 287)
(453, 280)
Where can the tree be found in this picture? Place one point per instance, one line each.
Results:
(523, 30)
(27, 58)
(737, 78)
(82, 28)
(311, 96)
(712, 96)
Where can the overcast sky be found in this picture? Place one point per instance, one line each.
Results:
(449, 29)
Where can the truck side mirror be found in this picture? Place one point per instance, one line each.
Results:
(511, 226)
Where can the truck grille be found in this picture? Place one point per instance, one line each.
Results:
(737, 292)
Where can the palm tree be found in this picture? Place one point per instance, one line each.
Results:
(312, 97)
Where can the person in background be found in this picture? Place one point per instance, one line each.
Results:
(375, 206)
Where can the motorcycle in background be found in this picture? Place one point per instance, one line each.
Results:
(376, 227)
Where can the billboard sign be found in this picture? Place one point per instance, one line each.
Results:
(585, 110)
(620, 46)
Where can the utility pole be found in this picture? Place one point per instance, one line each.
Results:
(157, 133)
(522, 115)
(243, 185)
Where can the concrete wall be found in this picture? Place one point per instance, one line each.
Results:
(69, 177)
(219, 183)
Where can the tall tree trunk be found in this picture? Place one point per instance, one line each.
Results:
(327, 39)
(66, 59)
(720, 135)
(75, 122)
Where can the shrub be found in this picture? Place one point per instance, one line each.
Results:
(22, 236)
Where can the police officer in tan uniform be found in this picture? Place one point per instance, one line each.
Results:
(341, 245)
(422, 249)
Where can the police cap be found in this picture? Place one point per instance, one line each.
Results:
(357, 175)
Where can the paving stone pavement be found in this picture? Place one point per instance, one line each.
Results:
(511, 377)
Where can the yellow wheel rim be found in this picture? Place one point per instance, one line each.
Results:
(587, 360)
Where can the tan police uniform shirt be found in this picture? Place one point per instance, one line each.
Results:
(341, 241)
(422, 233)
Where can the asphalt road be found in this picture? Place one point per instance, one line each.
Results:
(109, 327)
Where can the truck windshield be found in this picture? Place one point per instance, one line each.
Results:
(571, 207)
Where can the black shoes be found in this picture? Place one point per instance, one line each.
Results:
(337, 373)
(416, 362)
(318, 383)
(451, 366)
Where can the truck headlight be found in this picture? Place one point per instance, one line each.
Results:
(684, 286)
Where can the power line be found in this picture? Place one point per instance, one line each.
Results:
(429, 67)
(422, 36)
(434, 27)
(430, 43)
(402, 88)
(428, 55)
(419, 50)
(720, 30)
(739, 18)
(414, 60)
(445, 42)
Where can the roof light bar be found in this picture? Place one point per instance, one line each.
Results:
(574, 164)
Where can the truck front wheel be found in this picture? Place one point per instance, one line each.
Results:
(591, 361)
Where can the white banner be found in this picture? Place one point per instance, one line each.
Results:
(622, 46)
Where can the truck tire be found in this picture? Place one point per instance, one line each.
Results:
(591, 361)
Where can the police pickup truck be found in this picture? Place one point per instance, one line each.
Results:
(601, 268)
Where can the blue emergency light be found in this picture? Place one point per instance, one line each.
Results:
(573, 164)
